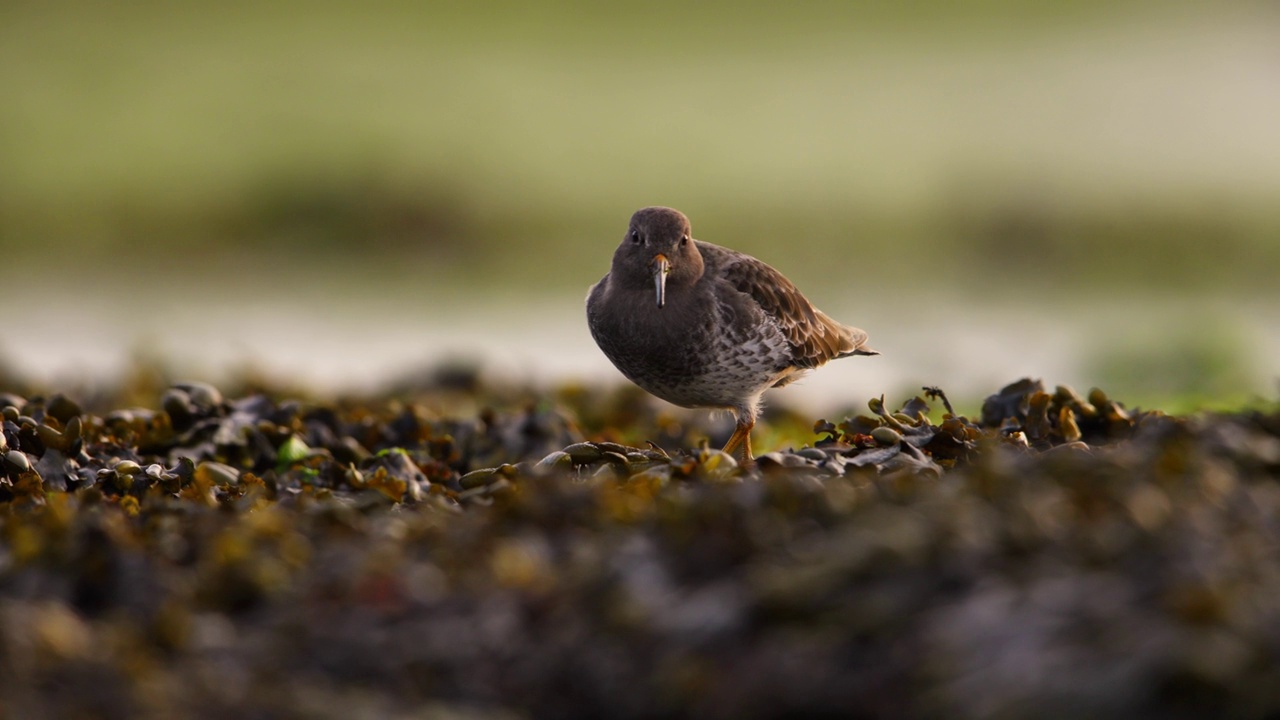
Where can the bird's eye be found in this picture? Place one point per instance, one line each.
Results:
(635, 237)
(684, 240)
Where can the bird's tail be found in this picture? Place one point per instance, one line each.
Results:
(857, 341)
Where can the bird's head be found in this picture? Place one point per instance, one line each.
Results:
(658, 251)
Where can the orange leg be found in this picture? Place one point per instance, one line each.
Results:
(741, 436)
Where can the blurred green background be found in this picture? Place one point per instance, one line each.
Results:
(338, 192)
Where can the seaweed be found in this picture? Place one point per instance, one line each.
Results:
(277, 557)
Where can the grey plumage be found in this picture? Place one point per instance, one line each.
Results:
(728, 326)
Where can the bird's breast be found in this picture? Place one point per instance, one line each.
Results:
(645, 341)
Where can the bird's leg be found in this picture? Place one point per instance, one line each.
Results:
(741, 436)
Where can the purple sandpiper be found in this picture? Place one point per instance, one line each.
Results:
(703, 326)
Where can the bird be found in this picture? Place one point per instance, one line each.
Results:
(703, 326)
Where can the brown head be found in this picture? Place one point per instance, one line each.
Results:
(659, 252)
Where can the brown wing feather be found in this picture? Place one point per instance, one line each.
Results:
(814, 337)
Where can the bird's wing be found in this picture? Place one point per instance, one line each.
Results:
(814, 337)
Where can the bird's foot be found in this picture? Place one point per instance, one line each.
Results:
(741, 439)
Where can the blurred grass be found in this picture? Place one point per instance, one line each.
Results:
(983, 145)
(1194, 364)
(908, 158)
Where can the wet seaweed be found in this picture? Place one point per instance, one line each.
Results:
(262, 555)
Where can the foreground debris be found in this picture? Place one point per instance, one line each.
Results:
(211, 558)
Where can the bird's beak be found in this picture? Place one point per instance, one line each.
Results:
(662, 266)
